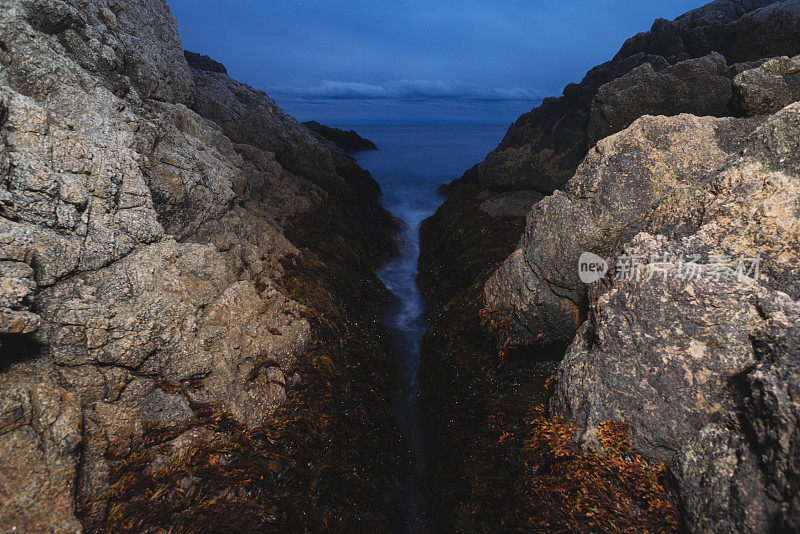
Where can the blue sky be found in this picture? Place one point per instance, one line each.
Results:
(469, 61)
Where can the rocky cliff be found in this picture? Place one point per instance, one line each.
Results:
(682, 146)
(188, 329)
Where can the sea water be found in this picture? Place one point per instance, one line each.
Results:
(411, 162)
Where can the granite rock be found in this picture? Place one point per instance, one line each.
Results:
(144, 212)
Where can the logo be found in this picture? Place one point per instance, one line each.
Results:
(591, 267)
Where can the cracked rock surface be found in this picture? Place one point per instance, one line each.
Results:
(686, 142)
(703, 368)
(143, 208)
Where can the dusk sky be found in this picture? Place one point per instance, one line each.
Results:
(466, 61)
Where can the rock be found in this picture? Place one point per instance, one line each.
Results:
(700, 86)
(724, 26)
(224, 101)
(696, 355)
(676, 356)
(105, 38)
(144, 249)
(722, 186)
(768, 87)
(18, 322)
(40, 427)
(672, 70)
(508, 204)
(349, 141)
(772, 410)
(17, 285)
(678, 359)
(203, 62)
(672, 176)
(543, 148)
(654, 165)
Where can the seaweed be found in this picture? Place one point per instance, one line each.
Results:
(567, 487)
(500, 464)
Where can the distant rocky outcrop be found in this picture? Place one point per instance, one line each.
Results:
(203, 62)
(684, 144)
(162, 291)
(349, 141)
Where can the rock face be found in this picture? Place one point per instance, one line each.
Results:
(692, 366)
(768, 88)
(650, 177)
(700, 86)
(348, 141)
(624, 180)
(705, 372)
(144, 214)
(543, 148)
(684, 341)
(694, 64)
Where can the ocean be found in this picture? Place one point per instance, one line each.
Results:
(411, 162)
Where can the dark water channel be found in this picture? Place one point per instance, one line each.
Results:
(411, 163)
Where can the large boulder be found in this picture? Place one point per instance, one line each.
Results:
(691, 339)
(626, 178)
(768, 87)
(700, 86)
(685, 340)
(670, 176)
(704, 369)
